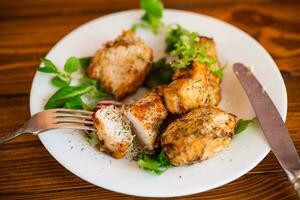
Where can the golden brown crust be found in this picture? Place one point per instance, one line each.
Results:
(211, 50)
(149, 109)
(198, 135)
(194, 87)
(122, 65)
(147, 114)
(119, 152)
(114, 141)
(159, 90)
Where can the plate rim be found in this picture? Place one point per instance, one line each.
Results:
(177, 194)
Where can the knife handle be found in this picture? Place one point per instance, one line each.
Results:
(296, 184)
(294, 177)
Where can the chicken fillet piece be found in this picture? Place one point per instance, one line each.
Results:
(122, 65)
(114, 131)
(192, 88)
(198, 135)
(211, 50)
(146, 116)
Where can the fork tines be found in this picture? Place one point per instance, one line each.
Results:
(77, 119)
(72, 111)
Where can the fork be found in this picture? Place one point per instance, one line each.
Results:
(54, 119)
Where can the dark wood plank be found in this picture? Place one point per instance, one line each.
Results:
(248, 187)
(14, 112)
(33, 8)
(30, 28)
(23, 41)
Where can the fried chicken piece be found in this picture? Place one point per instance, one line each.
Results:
(211, 50)
(114, 131)
(194, 87)
(198, 135)
(146, 116)
(122, 65)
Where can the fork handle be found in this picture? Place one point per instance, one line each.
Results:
(11, 136)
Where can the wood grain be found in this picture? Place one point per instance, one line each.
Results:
(248, 187)
(30, 28)
(24, 40)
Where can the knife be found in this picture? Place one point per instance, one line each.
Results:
(271, 123)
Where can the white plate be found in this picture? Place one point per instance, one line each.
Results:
(246, 149)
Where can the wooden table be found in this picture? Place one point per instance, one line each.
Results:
(29, 29)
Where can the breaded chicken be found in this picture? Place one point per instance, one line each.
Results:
(211, 49)
(122, 65)
(198, 135)
(146, 117)
(194, 87)
(113, 130)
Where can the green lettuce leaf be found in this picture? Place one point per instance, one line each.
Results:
(65, 94)
(157, 163)
(243, 124)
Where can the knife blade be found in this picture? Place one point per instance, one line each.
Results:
(269, 118)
